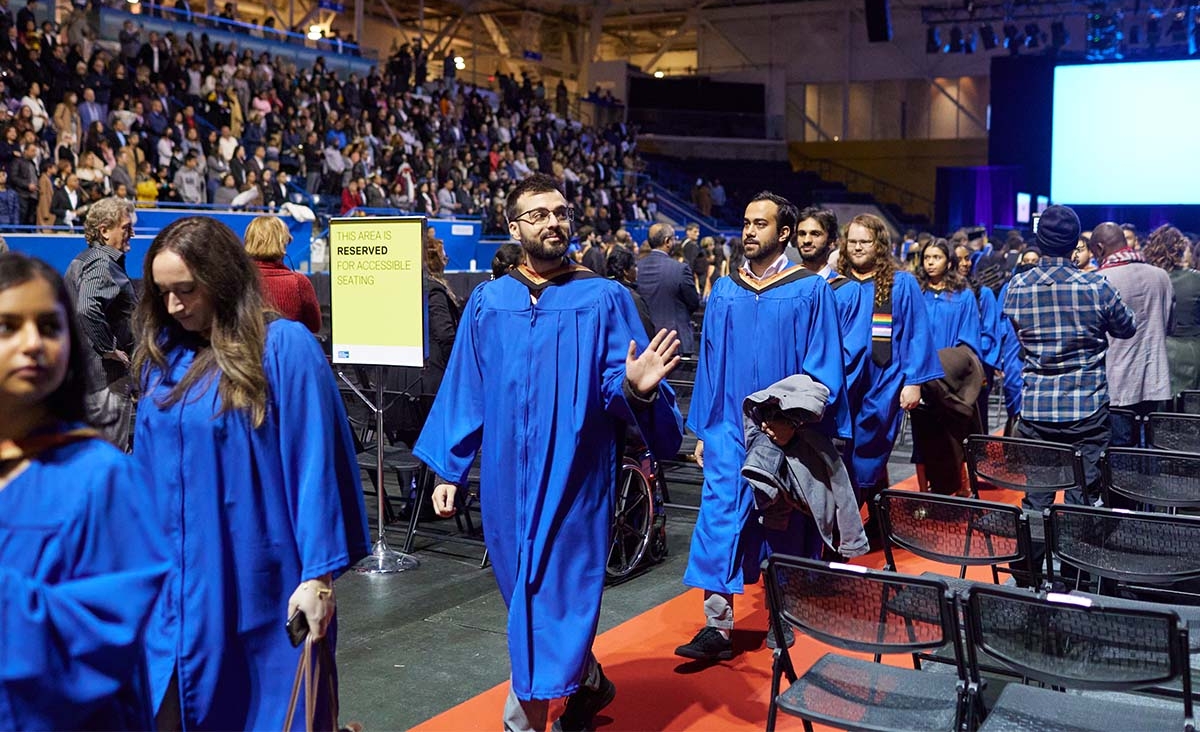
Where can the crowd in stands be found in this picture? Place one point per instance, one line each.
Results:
(178, 119)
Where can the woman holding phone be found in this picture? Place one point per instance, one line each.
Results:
(243, 430)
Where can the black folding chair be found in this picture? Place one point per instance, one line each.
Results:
(958, 531)
(1077, 643)
(1127, 428)
(1021, 464)
(1146, 554)
(1152, 478)
(396, 458)
(1188, 401)
(1173, 431)
(853, 608)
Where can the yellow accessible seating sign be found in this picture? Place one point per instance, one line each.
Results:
(376, 298)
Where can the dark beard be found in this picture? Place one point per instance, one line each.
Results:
(821, 257)
(765, 253)
(538, 249)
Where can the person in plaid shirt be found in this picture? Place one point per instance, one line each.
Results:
(1063, 317)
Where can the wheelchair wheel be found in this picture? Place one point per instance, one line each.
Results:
(633, 518)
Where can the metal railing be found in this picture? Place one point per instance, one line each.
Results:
(881, 189)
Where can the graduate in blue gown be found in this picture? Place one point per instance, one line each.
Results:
(816, 238)
(257, 487)
(542, 380)
(990, 329)
(950, 407)
(902, 355)
(950, 304)
(81, 557)
(1012, 363)
(769, 320)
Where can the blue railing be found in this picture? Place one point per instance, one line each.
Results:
(219, 30)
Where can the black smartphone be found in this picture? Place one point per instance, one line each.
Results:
(297, 628)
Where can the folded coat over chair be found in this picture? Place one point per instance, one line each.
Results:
(807, 473)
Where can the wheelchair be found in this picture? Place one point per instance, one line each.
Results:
(639, 526)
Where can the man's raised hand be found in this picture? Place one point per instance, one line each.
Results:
(654, 364)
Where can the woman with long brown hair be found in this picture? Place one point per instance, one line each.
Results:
(948, 412)
(81, 556)
(902, 356)
(242, 428)
(1168, 249)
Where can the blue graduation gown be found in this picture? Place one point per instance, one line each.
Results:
(249, 514)
(82, 560)
(539, 389)
(953, 320)
(989, 327)
(914, 361)
(1012, 363)
(752, 339)
(854, 317)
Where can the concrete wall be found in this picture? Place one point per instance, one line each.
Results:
(830, 82)
(903, 165)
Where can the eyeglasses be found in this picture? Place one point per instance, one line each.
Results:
(538, 216)
(859, 242)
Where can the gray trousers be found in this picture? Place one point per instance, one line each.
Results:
(718, 610)
(541, 715)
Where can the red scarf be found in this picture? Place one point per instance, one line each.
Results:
(1122, 256)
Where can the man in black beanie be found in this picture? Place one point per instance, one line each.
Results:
(1063, 317)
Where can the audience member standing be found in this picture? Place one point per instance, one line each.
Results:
(1063, 318)
(288, 293)
(81, 556)
(104, 300)
(256, 484)
(766, 321)
(669, 288)
(1139, 377)
(23, 177)
(548, 447)
(1170, 250)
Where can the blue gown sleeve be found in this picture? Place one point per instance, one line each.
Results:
(659, 421)
(320, 471)
(702, 387)
(913, 343)
(854, 317)
(454, 429)
(989, 327)
(70, 642)
(969, 331)
(824, 359)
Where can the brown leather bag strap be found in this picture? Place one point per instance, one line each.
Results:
(300, 679)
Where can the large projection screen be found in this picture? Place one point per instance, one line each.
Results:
(1125, 133)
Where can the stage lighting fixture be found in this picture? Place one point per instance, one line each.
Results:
(987, 36)
(1033, 35)
(956, 40)
(1012, 37)
(1059, 36)
(1104, 34)
(933, 40)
